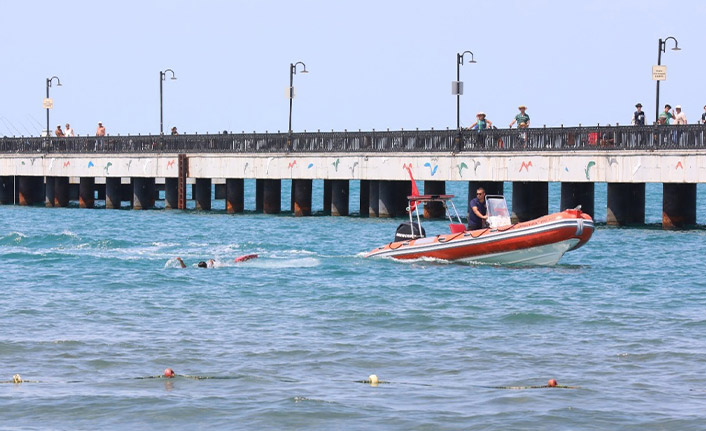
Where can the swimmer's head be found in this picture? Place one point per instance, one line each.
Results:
(202, 264)
(169, 373)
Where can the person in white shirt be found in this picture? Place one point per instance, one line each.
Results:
(69, 131)
(680, 118)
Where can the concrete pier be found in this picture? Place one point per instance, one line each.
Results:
(434, 209)
(61, 191)
(301, 197)
(49, 194)
(364, 201)
(574, 194)
(113, 193)
(387, 198)
(626, 204)
(529, 200)
(7, 190)
(259, 194)
(272, 196)
(143, 193)
(235, 195)
(171, 193)
(86, 192)
(678, 205)
(374, 198)
(202, 193)
(339, 197)
(26, 187)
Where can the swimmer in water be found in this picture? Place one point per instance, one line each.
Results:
(209, 264)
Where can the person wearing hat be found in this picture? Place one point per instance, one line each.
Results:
(481, 123)
(638, 118)
(522, 119)
(100, 131)
(174, 131)
(58, 132)
(69, 132)
(680, 117)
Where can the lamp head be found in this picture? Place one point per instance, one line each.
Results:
(676, 48)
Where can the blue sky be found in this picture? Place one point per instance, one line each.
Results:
(374, 64)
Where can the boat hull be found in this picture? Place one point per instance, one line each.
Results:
(542, 241)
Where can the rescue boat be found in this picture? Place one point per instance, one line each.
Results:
(542, 241)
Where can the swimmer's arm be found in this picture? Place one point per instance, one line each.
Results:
(181, 262)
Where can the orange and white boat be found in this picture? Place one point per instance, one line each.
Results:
(542, 241)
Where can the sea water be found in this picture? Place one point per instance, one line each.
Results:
(94, 306)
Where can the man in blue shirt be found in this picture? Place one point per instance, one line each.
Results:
(477, 210)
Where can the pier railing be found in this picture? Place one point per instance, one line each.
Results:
(493, 140)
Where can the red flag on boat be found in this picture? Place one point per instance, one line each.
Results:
(415, 190)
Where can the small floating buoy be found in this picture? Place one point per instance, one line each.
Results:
(551, 383)
(16, 378)
(169, 373)
(373, 379)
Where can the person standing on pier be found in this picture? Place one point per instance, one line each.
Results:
(703, 116)
(481, 123)
(680, 117)
(666, 116)
(638, 118)
(100, 131)
(58, 132)
(69, 132)
(174, 131)
(522, 119)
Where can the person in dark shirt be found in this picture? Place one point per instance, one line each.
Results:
(477, 212)
(703, 116)
(638, 118)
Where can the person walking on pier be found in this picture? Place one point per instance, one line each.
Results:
(58, 132)
(69, 132)
(522, 119)
(638, 118)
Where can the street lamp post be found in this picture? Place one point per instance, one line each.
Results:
(292, 72)
(58, 84)
(162, 77)
(663, 48)
(457, 87)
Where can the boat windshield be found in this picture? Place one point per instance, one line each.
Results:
(498, 215)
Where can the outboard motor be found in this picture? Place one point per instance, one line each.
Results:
(407, 231)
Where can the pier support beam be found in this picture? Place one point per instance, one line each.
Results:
(7, 190)
(113, 193)
(86, 192)
(301, 197)
(387, 198)
(574, 194)
(529, 200)
(259, 195)
(374, 198)
(327, 197)
(626, 204)
(49, 194)
(142, 193)
(678, 205)
(434, 209)
(202, 193)
(171, 193)
(26, 187)
(235, 195)
(272, 196)
(364, 200)
(404, 189)
(61, 191)
(339, 197)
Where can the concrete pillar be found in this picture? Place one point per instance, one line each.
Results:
(374, 198)
(678, 205)
(113, 193)
(574, 194)
(259, 194)
(61, 191)
(49, 194)
(339, 197)
(171, 193)
(26, 190)
(404, 189)
(272, 196)
(364, 198)
(626, 204)
(142, 193)
(327, 196)
(86, 192)
(434, 209)
(301, 197)
(387, 198)
(7, 189)
(235, 195)
(202, 195)
(529, 200)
